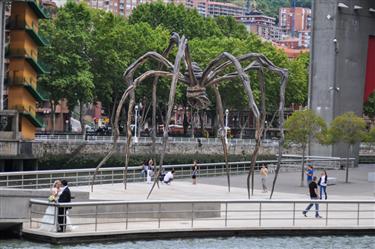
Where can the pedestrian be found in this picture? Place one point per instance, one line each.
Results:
(150, 171)
(313, 188)
(309, 172)
(194, 172)
(144, 168)
(264, 174)
(168, 177)
(323, 184)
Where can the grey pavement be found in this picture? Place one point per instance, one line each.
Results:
(289, 182)
(288, 187)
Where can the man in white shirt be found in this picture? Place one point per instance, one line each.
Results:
(168, 177)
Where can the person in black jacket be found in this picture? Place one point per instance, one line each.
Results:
(313, 188)
(64, 197)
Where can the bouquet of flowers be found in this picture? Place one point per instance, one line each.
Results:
(52, 198)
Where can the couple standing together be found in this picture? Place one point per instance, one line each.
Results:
(60, 193)
(313, 189)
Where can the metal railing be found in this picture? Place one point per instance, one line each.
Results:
(100, 216)
(122, 139)
(77, 177)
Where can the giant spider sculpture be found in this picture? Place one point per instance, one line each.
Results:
(197, 80)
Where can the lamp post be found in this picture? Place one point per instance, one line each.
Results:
(226, 125)
(136, 124)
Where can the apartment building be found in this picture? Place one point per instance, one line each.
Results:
(298, 17)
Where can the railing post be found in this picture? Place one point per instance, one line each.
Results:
(56, 220)
(77, 182)
(260, 214)
(36, 181)
(192, 215)
(112, 176)
(294, 213)
(30, 212)
(358, 213)
(226, 214)
(159, 215)
(127, 216)
(96, 218)
(327, 214)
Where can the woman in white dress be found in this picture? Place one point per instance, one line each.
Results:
(48, 220)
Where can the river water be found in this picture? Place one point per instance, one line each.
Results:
(324, 242)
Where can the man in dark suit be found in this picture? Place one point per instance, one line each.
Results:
(64, 197)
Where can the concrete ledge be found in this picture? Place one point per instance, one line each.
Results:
(75, 238)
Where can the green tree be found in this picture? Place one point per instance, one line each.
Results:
(350, 129)
(116, 44)
(301, 128)
(229, 26)
(369, 106)
(370, 138)
(67, 56)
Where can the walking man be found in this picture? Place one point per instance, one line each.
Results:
(313, 188)
(263, 174)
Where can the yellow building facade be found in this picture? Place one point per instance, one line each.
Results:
(23, 67)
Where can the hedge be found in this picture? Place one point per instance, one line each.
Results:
(90, 161)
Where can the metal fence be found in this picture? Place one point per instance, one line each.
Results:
(142, 140)
(100, 216)
(76, 177)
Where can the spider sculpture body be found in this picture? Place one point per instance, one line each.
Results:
(197, 81)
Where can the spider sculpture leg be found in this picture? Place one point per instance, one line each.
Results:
(259, 63)
(246, 82)
(240, 73)
(281, 125)
(129, 136)
(128, 77)
(220, 113)
(259, 130)
(115, 135)
(131, 86)
(172, 95)
(174, 40)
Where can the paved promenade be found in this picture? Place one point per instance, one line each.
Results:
(222, 218)
(288, 187)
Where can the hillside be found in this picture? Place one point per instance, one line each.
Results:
(271, 7)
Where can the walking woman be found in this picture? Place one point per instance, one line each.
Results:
(194, 172)
(323, 184)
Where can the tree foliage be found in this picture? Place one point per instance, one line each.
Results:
(349, 129)
(369, 106)
(67, 55)
(175, 18)
(90, 49)
(302, 127)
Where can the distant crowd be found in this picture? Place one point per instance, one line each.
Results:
(148, 171)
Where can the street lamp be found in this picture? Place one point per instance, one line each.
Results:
(136, 124)
(226, 125)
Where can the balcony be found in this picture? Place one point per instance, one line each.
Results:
(38, 9)
(29, 113)
(21, 25)
(20, 81)
(22, 53)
